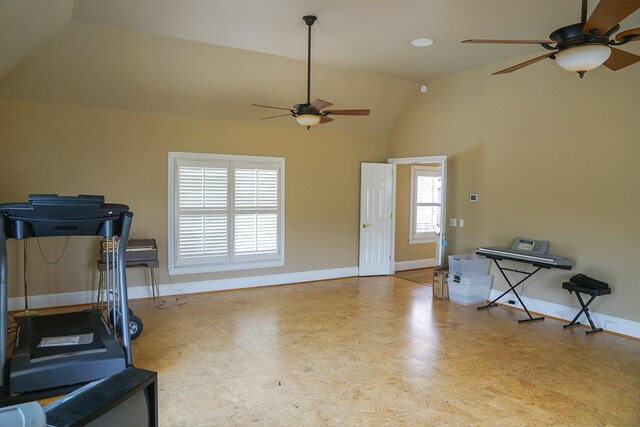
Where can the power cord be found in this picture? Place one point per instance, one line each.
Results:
(61, 255)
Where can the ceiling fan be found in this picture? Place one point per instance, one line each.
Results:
(311, 113)
(586, 45)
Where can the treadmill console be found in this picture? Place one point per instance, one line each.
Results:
(47, 215)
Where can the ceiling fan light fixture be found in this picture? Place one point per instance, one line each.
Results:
(308, 119)
(583, 58)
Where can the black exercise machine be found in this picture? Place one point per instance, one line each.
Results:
(57, 352)
(586, 285)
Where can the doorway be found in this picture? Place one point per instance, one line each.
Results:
(426, 208)
(418, 232)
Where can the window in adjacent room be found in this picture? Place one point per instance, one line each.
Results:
(426, 203)
(225, 212)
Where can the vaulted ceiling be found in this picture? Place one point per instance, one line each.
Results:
(213, 58)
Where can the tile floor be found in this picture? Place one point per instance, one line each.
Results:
(378, 351)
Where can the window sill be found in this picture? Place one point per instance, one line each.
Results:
(176, 271)
(421, 241)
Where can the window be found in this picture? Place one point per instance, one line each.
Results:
(225, 212)
(426, 204)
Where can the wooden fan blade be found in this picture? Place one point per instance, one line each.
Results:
(273, 117)
(609, 13)
(325, 119)
(348, 112)
(525, 63)
(620, 59)
(633, 33)
(269, 106)
(507, 41)
(320, 104)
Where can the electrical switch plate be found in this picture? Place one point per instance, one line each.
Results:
(461, 222)
(453, 222)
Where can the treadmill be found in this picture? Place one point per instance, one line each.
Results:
(56, 353)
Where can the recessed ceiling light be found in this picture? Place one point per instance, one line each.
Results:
(422, 42)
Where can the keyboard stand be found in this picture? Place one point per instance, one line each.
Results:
(512, 288)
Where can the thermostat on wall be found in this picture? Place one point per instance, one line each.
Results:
(473, 197)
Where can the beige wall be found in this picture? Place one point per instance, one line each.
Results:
(72, 150)
(403, 250)
(552, 157)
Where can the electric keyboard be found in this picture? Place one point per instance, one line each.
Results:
(546, 260)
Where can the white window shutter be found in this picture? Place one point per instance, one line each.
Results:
(426, 203)
(226, 212)
(255, 210)
(202, 226)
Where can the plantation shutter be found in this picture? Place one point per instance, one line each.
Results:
(427, 202)
(226, 212)
(202, 212)
(256, 210)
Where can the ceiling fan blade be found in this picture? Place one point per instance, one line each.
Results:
(269, 106)
(620, 59)
(325, 119)
(320, 104)
(507, 41)
(273, 117)
(524, 64)
(609, 13)
(633, 33)
(363, 112)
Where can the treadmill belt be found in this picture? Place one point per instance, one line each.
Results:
(50, 335)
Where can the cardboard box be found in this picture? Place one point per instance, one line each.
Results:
(440, 287)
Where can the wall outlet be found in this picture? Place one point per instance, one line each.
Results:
(611, 326)
(461, 222)
(512, 302)
(453, 222)
(179, 289)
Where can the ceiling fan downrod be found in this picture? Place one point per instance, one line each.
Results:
(583, 15)
(309, 20)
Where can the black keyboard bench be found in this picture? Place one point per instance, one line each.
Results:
(572, 287)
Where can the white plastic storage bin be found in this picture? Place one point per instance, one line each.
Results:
(469, 290)
(468, 265)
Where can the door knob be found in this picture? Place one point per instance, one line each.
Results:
(366, 225)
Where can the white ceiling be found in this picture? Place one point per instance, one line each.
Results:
(368, 35)
(213, 58)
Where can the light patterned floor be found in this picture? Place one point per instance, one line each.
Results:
(378, 351)
(421, 275)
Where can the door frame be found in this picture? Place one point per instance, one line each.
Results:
(442, 160)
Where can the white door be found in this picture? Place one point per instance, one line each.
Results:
(376, 203)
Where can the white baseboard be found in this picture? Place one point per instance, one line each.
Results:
(412, 265)
(604, 321)
(249, 282)
(610, 323)
(144, 291)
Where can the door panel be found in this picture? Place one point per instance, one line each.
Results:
(375, 219)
